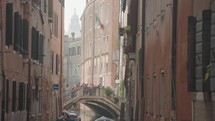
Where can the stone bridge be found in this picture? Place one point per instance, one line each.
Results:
(95, 99)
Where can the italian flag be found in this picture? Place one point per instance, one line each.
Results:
(98, 22)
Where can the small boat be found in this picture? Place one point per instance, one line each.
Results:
(72, 116)
(69, 116)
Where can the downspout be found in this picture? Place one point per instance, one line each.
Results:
(142, 58)
(61, 59)
(29, 90)
(173, 63)
(29, 86)
(83, 52)
(93, 41)
(2, 57)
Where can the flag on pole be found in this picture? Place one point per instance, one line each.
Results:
(98, 22)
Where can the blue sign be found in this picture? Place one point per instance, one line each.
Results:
(55, 86)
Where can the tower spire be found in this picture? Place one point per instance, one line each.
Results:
(74, 10)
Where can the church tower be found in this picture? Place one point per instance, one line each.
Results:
(74, 25)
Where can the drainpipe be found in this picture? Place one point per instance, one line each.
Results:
(93, 41)
(29, 90)
(2, 57)
(142, 58)
(61, 63)
(173, 63)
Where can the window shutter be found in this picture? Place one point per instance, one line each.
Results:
(25, 36)
(9, 23)
(32, 42)
(212, 55)
(191, 53)
(21, 36)
(41, 41)
(37, 45)
(52, 62)
(56, 63)
(16, 30)
(21, 96)
(50, 8)
(203, 50)
(14, 97)
(7, 95)
(33, 39)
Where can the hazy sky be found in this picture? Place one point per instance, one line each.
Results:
(70, 5)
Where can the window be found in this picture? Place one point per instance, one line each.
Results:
(9, 23)
(90, 51)
(91, 22)
(148, 13)
(25, 35)
(163, 2)
(147, 94)
(154, 9)
(17, 32)
(55, 25)
(61, 2)
(107, 44)
(56, 63)
(95, 70)
(36, 2)
(158, 7)
(154, 93)
(41, 44)
(52, 58)
(14, 97)
(7, 94)
(20, 34)
(21, 96)
(191, 53)
(74, 54)
(70, 51)
(162, 93)
(45, 5)
(50, 8)
(42, 5)
(37, 44)
(79, 50)
(34, 43)
(106, 67)
(89, 71)
(40, 100)
(104, 45)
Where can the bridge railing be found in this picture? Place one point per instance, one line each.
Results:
(88, 91)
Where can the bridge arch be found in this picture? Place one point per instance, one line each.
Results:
(99, 100)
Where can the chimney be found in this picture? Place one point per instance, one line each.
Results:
(73, 35)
